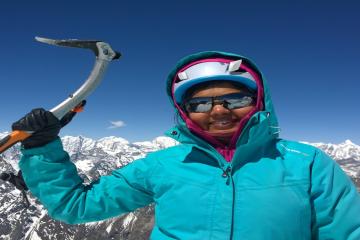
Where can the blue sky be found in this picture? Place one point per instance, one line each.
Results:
(308, 51)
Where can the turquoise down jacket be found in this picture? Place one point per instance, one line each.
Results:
(272, 189)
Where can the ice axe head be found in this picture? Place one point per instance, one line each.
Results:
(101, 49)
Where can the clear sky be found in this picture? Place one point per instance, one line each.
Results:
(309, 52)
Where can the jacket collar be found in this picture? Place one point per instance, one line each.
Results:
(255, 137)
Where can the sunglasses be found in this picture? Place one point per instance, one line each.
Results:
(228, 101)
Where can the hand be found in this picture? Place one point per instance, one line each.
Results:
(69, 116)
(4, 176)
(44, 125)
(16, 180)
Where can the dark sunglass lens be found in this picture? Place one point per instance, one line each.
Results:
(244, 101)
(198, 105)
(203, 107)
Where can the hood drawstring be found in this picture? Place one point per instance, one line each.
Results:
(273, 130)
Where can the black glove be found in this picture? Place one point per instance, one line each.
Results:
(44, 125)
(5, 176)
(69, 116)
(16, 180)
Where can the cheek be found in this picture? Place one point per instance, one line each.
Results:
(242, 112)
(200, 119)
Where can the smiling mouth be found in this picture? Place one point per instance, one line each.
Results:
(223, 124)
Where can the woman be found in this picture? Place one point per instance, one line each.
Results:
(231, 177)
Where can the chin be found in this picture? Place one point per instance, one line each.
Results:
(222, 133)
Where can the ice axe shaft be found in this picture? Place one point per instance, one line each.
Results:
(104, 55)
(13, 138)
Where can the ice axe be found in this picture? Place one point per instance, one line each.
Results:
(104, 55)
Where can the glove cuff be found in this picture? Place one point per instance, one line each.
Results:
(38, 143)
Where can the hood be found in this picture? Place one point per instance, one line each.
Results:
(265, 110)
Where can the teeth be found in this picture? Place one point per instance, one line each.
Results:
(223, 122)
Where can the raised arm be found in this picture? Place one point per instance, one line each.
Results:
(53, 178)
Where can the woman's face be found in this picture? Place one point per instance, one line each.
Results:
(219, 121)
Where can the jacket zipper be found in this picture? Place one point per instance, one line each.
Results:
(233, 209)
(227, 173)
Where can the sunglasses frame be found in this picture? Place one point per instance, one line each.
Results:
(217, 100)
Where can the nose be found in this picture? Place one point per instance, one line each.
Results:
(219, 109)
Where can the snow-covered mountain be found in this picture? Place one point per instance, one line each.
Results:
(340, 151)
(94, 158)
(347, 154)
(99, 157)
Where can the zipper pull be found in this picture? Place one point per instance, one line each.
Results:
(227, 174)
